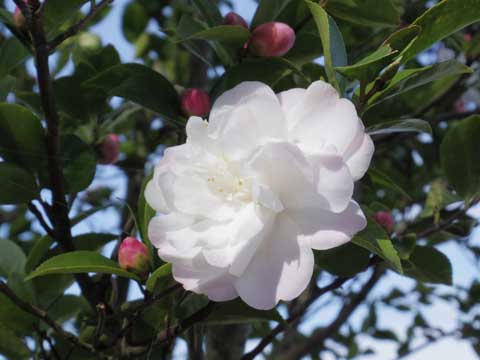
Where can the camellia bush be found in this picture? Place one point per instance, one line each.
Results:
(262, 189)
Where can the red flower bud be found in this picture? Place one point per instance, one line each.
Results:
(234, 19)
(195, 102)
(385, 219)
(272, 39)
(133, 256)
(467, 37)
(109, 149)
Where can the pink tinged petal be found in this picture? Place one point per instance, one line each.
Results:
(288, 174)
(323, 230)
(334, 181)
(280, 270)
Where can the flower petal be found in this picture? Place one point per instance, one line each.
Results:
(323, 230)
(359, 155)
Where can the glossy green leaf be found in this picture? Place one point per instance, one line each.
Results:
(156, 92)
(11, 346)
(441, 20)
(397, 126)
(333, 46)
(375, 239)
(80, 262)
(164, 272)
(209, 10)
(79, 163)
(12, 258)
(22, 137)
(427, 264)
(18, 185)
(345, 261)
(365, 12)
(460, 154)
(12, 54)
(236, 311)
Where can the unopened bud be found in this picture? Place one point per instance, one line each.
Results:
(109, 149)
(234, 19)
(272, 39)
(385, 219)
(467, 37)
(195, 102)
(19, 20)
(133, 257)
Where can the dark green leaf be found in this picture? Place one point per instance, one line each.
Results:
(135, 20)
(382, 180)
(407, 125)
(22, 137)
(333, 46)
(209, 11)
(365, 12)
(11, 346)
(18, 185)
(441, 20)
(12, 258)
(236, 311)
(156, 92)
(345, 261)
(145, 213)
(460, 154)
(58, 12)
(80, 262)
(164, 272)
(12, 54)
(269, 10)
(35, 255)
(234, 36)
(427, 264)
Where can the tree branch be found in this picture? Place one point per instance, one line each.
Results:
(43, 316)
(316, 340)
(59, 209)
(34, 210)
(76, 28)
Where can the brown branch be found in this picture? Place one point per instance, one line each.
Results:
(43, 316)
(293, 318)
(76, 28)
(59, 209)
(317, 339)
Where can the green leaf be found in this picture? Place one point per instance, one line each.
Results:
(407, 125)
(441, 20)
(12, 258)
(67, 307)
(79, 162)
(145, 213)
(156, 92)
(12, 54)
(365, 12)
(368, 68)
(93, 241)
(209, 11)
(234, 36)
(58, 12)
(35, 255)
(18, 185)
(333, 46)
(158, 276)
(460, 154)
(269, 10)
(438, 197)
(86, 214)
(410, 79)
(382, 180)
(80, 262)
(11, 346)
(134, 21)
(375, 239)
(236, 311)
(345, 261)
(427, 264)
(22, 137)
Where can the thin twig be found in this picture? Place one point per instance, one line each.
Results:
(76, 28)
(34, 210)
(43, 316)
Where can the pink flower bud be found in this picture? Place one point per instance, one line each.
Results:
(272, 39)
(109, 149)
(467, 37)
(18, 19)
(133, 256)
(385, 219)
(234, 19)
(195, 102)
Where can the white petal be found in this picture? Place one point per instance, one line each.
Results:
(280, 269)
(288, 174)
(359, 155)
(322, 230)
(155, 198)
(333, 180)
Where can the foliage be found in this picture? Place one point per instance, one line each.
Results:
(421, 108)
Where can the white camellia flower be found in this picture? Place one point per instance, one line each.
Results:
(254, 190)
